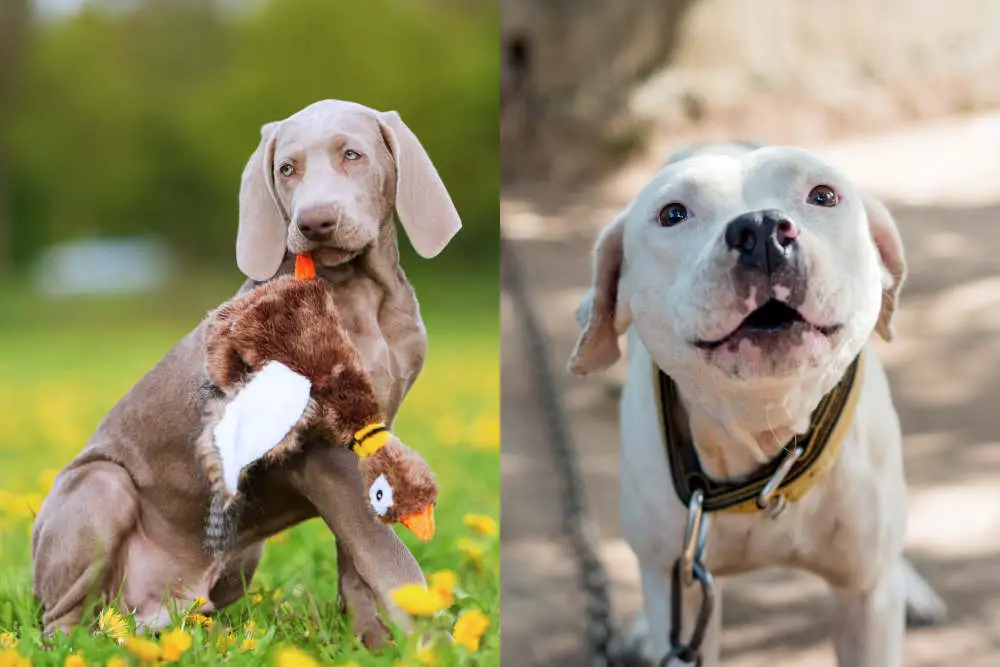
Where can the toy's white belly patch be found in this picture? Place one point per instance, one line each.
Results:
(259, 417)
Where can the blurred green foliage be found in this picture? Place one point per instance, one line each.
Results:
(125, 121)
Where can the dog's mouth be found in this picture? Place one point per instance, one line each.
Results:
(774, 318)
(330, 256)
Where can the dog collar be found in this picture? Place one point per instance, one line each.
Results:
(828, 427)
(370, 439)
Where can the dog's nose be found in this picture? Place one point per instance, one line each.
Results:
(765, 240)
(316, 223)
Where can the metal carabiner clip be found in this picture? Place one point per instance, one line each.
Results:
(695, 535)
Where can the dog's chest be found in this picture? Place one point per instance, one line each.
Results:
(386, 329)
(810, 535)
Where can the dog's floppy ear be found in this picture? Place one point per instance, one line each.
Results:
(890, 251)
(602, 313)
(423, 204)
(260, 241)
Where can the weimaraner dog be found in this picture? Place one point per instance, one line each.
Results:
(128, 513)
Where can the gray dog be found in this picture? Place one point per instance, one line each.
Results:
(128, 513)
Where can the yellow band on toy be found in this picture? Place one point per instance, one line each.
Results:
(370, 439)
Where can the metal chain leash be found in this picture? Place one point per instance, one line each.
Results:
(688, 570)
(576, 522)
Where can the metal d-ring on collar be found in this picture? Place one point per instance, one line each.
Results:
(769, 500)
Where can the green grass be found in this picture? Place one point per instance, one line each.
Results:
(63, 364)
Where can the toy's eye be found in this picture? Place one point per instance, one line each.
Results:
(823, 195)
(672, 214)
(286, 169)
(380, 495)
(352, 154)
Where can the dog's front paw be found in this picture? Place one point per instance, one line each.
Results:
(371, 631)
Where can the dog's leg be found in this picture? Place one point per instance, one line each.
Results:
(76, 536)
(328, 477)
(356, 598)
(868, 626)
(235, 579)
(924, 607)
(650, 633)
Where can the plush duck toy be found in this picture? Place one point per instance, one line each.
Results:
(282, 370)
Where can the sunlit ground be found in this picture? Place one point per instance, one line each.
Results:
(64, 364)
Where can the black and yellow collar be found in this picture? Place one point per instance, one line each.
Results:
(821, 444)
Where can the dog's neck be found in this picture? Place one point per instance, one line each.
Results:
(737, 431)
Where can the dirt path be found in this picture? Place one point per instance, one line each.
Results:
(942, 181)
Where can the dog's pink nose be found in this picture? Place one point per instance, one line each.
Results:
(317, 222)
(786, 231)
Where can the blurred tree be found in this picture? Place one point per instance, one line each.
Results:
(14, 20)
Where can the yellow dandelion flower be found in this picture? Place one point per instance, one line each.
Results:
(74, 661)
(197, 604)
(470, 548)
(249, 628)
(289, 656)
(10, 657)
(416, 600)
(482, 524)
(174, 644)
(8, 639)
(276, 595)
(486, 434)
(472, 552)
(470, 627)
(248, 644)
(425, 656)
(256, 598)
(443, 580)
(144, 649)
(111, 623)
(199, 619)
(225, 642)
(116, 661)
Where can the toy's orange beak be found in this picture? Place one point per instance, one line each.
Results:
(421, 524)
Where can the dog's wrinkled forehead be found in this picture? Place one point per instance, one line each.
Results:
(331, 120)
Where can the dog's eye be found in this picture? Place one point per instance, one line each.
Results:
(286, 169)
(380, 495)
(672, 214)
(823, 195)
(352, 154)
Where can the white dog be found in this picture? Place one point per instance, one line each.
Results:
(749, 281)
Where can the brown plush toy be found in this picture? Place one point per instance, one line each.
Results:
(284, 370)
